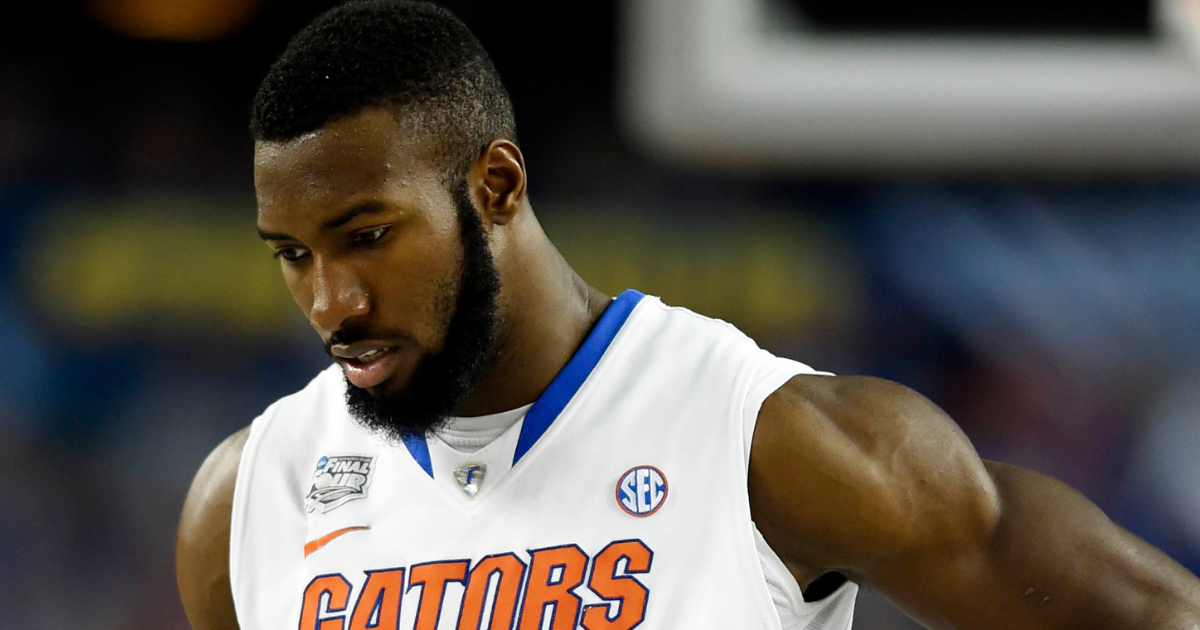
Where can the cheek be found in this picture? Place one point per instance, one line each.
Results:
(416, 280)
(299, 288)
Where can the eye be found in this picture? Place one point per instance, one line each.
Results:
(369, 237)
(290, 254)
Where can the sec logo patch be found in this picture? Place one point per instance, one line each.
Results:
(642, 490)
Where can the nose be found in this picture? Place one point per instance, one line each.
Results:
(338, 294)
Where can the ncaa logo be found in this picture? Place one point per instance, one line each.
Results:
(337, 480)
(642, 490)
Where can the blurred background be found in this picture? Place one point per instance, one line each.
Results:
(996, 205)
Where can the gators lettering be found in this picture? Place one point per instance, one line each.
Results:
(499, 592)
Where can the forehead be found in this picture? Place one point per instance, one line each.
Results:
(366, 156)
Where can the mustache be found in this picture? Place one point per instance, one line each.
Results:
(355, 332)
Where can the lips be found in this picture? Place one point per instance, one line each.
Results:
(367, 364)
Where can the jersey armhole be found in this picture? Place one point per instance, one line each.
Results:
(774, 372)
(241, 501)
(825, 606)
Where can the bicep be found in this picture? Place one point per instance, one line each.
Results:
(202, 543)
(881, 485)
(847, 472)
(1053, 560)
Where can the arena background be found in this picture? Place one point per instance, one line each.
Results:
(997, 206)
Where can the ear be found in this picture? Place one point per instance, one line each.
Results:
(498, 178)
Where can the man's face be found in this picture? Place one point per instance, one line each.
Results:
(390, 267)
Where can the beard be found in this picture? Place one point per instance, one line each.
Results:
(444, 379)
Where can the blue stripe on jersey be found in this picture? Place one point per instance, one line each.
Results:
(420, 451)
(563, 387)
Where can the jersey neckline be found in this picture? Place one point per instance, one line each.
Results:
(562, 389)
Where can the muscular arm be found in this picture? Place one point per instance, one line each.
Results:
(202, 544)
(868, 478)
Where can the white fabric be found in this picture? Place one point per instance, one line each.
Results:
(674, 390)
(469, 434)
(497, 456)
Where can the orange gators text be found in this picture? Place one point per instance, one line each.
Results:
(434, 576)
(523, 596)
(542, 590)
(338, 590)
(608, 585)
(380, 596)
(508, 590)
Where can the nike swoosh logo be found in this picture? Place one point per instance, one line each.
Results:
(316, 544)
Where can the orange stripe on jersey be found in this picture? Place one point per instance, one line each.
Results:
(314, 545)
(508, 589)
(338, 589)
(542, 591)
(631, 593)
(382, 592)
(433, 577)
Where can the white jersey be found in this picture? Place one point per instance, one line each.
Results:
(618, 501)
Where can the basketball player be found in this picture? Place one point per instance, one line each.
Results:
(499, 445)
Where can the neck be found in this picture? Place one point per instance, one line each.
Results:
(547, 311)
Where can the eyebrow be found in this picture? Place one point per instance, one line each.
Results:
(357, 210)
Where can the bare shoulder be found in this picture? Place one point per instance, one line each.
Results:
(851, 473)
(870, 479)
(202, 543)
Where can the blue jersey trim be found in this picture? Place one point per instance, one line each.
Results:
(563, 387)
(420, 452)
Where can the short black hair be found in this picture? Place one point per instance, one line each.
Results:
(415, 58)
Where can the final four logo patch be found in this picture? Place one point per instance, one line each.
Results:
(338, 479)
(642, 490)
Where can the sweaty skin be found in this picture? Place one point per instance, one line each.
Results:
(868, 478)
(365, 229)
(202, 545)
(849, 474)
